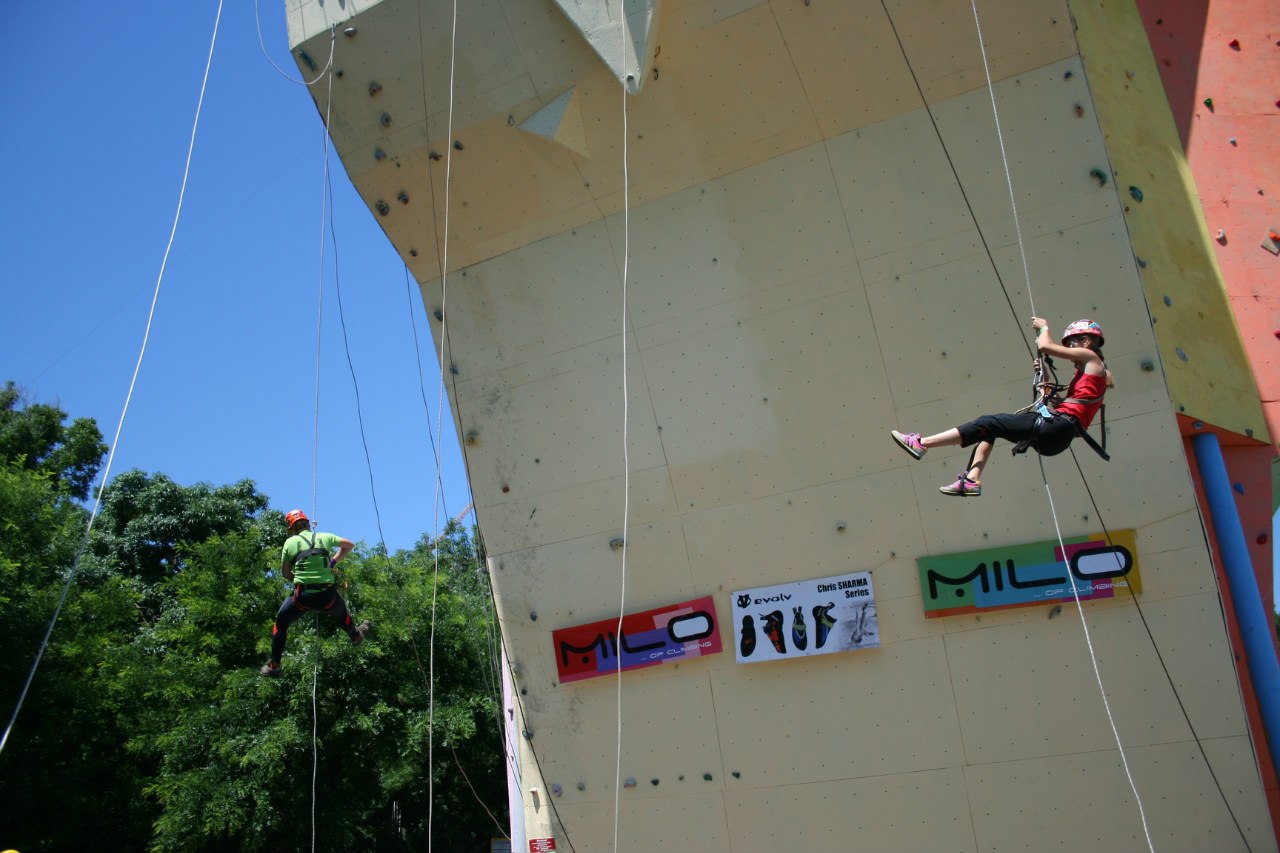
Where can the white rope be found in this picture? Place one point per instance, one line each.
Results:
(325, 201)
(257, 19)
(626, 405)
(324, 209)
(146, 336)
(1008, 177)
(1084, 624)
(435, 522)
(1053, 511)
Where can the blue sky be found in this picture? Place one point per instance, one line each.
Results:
(98, 116)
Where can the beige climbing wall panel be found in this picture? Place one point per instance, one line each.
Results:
(821, 248)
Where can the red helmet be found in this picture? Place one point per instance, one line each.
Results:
(293, 516)
(1083, 327)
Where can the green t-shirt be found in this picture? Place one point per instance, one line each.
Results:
(315, 568)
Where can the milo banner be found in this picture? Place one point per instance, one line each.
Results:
(1024, 575)
(661, 635)
(817, 617)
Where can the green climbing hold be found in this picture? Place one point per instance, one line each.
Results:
(1208, 102)
(1100, 175)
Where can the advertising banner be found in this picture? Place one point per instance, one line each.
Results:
(999, 578)
(817, 617)
(662, 635)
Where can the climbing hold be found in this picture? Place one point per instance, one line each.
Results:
(737, 775)
(1066, 75)
(1232, 140)
(435, 155)
(506, 489)
(1135, 193)
(1141, 263)
(630, 783)
(1182, 355)
(1168, 301)
(413, 253)
(440, 316)
(556, 789)
(1147, 365)
(1238, 488)
(457, 145)
(1129, 74)
(616, 543)
(1222, 236)
(1208, 102)
(706, 776)
(582, 786)
(653, 781)
(382, 207)
(528, 734)
(379, 154)
(311, 63)
(1262, 539)
(403, 197)
(374, 88)
(1234, 44)
(1079, 111)
(533, 616)
(350, 32)
(1100, 175)
(385, 120)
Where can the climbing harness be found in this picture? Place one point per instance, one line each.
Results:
(1046, 407)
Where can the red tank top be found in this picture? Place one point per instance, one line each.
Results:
(1084, 385)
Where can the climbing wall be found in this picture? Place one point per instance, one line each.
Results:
(819, 245)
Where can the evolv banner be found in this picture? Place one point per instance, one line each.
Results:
(1000, 578)
(817, 617)
(661, 635)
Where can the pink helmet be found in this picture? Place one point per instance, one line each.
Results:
(1083, 327)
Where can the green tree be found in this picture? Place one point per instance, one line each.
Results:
(238, 763)
(36, 437)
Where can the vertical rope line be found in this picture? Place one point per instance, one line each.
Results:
(324, 206)
(315, 443)
(1093, 658)
(137, 368)
(626, 419)
(1008, 177)
(435, 523)
(315, 724)
(1142, 815)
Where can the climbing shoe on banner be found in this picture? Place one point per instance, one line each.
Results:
(798, 635)
(773, 630)
(823, 620)
(748, 644)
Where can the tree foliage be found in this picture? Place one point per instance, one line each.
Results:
(35, 437)
(147, 725)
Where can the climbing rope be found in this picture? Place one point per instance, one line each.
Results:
(315, 444)
(436, 443)
(626, 419)
(257, 20)
(1026, 273)
(1075, 592)
(146, 336)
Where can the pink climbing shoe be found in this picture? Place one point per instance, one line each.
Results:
(963, 487)
(910, 442)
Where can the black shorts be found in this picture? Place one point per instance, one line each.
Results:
(1050, 436)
